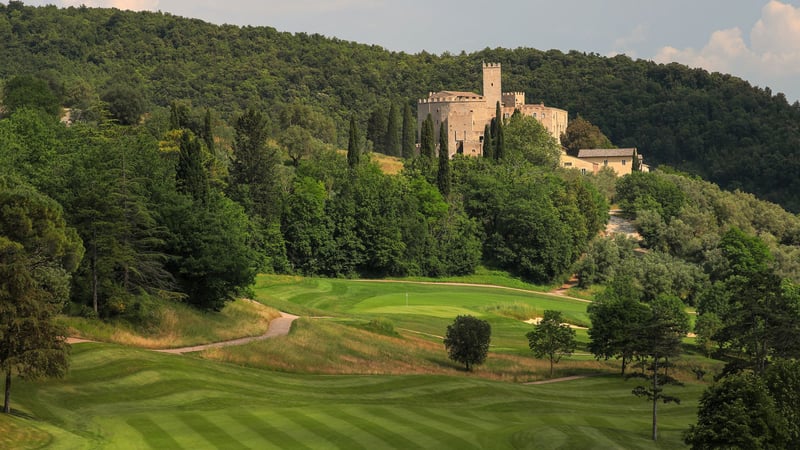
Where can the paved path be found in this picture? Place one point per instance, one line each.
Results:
(277, 327)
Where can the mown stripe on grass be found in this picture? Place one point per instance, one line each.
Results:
(412, 421)
(215, 435)
(153, 434)
(322, 430)
(369, 426)
(269, 432)
(451, 421)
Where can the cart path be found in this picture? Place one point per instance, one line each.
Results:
(562, 379)
(279, 326)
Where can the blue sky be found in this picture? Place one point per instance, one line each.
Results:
(758, 40)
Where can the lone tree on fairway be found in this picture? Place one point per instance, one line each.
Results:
(552, 339)
(467, 340)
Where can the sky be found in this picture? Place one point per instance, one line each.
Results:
(758, 40)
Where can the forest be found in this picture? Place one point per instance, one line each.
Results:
(147, 158)
(713, 125)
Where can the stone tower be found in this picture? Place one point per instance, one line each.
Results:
(492, 90)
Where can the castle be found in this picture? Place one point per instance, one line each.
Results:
(466, 114)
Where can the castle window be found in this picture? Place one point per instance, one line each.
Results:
(605, 162)
(567, 164)
(583, 171)
(623, 162)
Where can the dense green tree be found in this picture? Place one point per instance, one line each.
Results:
(705, 327)
(409, 132)
(318, 124)
(208, 247)
(526, 138)
(298, 142)
(125, 103)
(467, 340)
(738, 412)
(109, 199)
(305, 227)
(551, 338)
(602, 259)
(782, 380)
(617, 318)
(581, 134)
(37, 253)
(30, 92)
(640, 191)
(443, 175)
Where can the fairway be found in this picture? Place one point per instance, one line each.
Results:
(387, 390)
(123, 398)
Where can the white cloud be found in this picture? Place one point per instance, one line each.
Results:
(134, 5)
(773, 53)
(627, 43)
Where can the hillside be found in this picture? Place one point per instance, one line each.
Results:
(713, 125)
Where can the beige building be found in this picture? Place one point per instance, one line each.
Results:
(621, 160)
(586, 167)
(466, 114)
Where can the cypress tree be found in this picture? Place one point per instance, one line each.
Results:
(409, 132)
(190, 174)
(499, 140)
(376, 129)
(208, 134)
(488, 146)
(443, 176)
(353, 152)
(427, 146)
(392, 133)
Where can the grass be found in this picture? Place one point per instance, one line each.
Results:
(364, 368)
(180, 325)
(121, 398)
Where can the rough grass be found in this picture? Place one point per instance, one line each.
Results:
(181, 325)
(19, 433)
(329, 347)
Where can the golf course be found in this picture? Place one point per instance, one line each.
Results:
(363, 367)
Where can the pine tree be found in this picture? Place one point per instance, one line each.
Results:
(353, 152)
(443, 177)
(409, 132)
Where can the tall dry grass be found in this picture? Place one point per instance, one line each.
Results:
(180, 325)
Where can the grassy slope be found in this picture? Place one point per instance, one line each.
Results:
(118, 397)
(122, 398)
